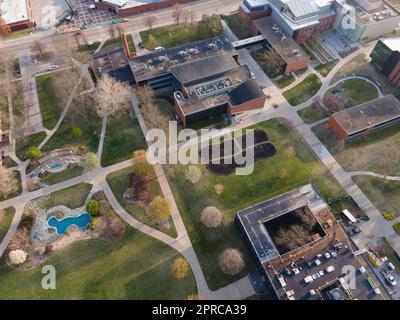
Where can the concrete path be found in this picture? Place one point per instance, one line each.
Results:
(19, 209)
(102, 137)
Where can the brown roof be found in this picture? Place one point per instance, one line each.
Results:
(368, 114)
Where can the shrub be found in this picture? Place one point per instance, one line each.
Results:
(389, 216)
(75, 133)
(33, 153)
(180, 268)
(396, 227)
(193, 174)
(141, 167)
(17, 256)
(219, 188)
(211, 217)
(231, 262)
(159, 209)
(93, 208)
(91, 160)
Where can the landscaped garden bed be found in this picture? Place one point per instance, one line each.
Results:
(303, 91)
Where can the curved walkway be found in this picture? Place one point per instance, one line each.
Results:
(374, 174)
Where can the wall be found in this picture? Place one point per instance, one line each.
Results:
(381, 28)
(298, 65)
(250, 105)
(254, 15)
(140, 9)
(336, 128)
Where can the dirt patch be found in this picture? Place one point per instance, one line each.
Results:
(219, 188)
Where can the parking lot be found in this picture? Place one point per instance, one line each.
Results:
(45, 11)
(312, 270)
(87, 16)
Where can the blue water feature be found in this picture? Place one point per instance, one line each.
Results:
(56, 166)
(62, 225)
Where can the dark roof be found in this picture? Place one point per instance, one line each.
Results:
(368, 114)
(112, 61)
(209, 67)
(245, 92)
(284, 45)
(158, 63)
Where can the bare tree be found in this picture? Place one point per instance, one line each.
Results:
(111, 96)
(389, 158)
(192, 17)
(40, 49)
(112, 31)
(149, 21)
(4, 28)
(177, 14)
(231, 261)
(185, 17)
(8, 182)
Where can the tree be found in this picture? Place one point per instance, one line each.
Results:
(40, 49)
(193, 174)
(141, 188)
(34, 153)
(91, 160)
(180, 268)
(8, 182)
(272, 63)
(5, 29)
(93, 208)
(111, 96)
(75, 132)
(149, 21)
(145, 94)
(231, 262)
(141, 167)
(159, 208)
(210, 26)
(193, 297)
(390, 158)
(17, 256)
(177, 14)
(211, 217)
(186, 17)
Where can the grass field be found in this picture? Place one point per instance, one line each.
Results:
(383, 194)
(363, 153)
(313, 113)
(243, 191)
(134, 266)
(303, 91)
(6, 217)
(358, 90)
(17, 176)
(172, 36)
(240, 27)
(69, 173)
(123, 136)
(72, 197)
(119, 181)
(9, 162)
(5, 116)
(284, 81)
(325, 68)
(50, 104)
(23, 144)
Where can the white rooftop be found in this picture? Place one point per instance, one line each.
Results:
(392, 43)
(13, 10)
(130, 3)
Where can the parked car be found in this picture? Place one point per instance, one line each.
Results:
(53, 67)
(312, 292)
(389, 277)
(327, 255)
(356, 230)
(390, 266)
(141, 45)
(330, 269)
(308, 279)
(317, 275)
(317, 262)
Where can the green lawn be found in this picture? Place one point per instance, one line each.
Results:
(243, 191)
(18, 102)
(90, 132)
(50, 104)
(69, 173)
(303, 91)
(9, 162)
(134, 266)
(240, 26)
(23, 144)
(363, 153)
(284, 81)
(325, 68)
(119, 181)
(17, 176)
(19, 34)
(123, 136)
(313, 113)
(358, 90)
(72, 197)
(6, 217)
(173, 35)
(383, 194)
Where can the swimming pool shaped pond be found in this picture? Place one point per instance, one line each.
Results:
(62, 225)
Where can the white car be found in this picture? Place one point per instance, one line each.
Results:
(312, 292)
(308, 279)
(53, 67)
(330, 269)
(327, 255)
(389, 278)
(318, 275)
(317, 262)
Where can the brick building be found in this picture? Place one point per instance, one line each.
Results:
(17, 14)
(126, 8)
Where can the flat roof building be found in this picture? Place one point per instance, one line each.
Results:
(367, 117)
(386, 58)
(287, 49)
(17, 14)
(300, 247)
